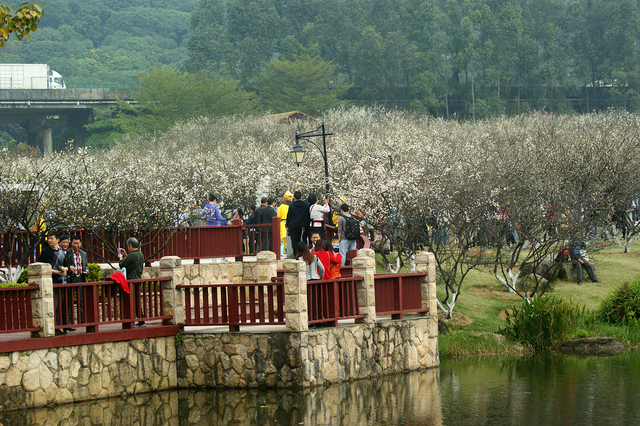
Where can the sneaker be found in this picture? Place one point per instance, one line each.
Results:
(69, 329)
(141, 324)
(579, 282)
(596, 281)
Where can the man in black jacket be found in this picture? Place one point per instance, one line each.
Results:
(264, 214)
(78, 271)
(297, 218)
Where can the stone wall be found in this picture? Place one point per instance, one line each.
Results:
(260, 270)
(303, 359)
(79, 373)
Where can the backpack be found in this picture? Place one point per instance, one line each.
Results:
(351, 228)
(563, 255)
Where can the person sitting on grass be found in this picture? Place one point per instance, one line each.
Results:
(580, 262)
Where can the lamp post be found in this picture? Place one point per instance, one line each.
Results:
(297, 152)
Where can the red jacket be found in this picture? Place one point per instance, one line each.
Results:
(323, 256)
(336, 263)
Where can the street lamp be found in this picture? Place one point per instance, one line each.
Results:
(297, 152)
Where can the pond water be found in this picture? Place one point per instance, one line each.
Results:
(551, 389)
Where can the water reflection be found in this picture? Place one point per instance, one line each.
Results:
(529, 390)
(550, 389)
(392, 400)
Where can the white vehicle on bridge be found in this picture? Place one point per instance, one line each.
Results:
(29, 76)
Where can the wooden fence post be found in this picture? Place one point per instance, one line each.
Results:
(364, 265)
(42, 300)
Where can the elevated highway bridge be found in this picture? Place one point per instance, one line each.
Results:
(39, 110)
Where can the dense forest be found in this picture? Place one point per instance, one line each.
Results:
(463, 58)
(95, 43)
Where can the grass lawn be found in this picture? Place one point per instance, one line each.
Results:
(482, 297)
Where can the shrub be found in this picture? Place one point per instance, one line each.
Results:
(543, 322)
(622, 306)
(94, 272)
(9, 285)
(23, 277)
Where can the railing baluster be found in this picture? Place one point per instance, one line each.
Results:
(252, 304)
(206, 306)
(242, 303)
(196, 304)
(188, 318)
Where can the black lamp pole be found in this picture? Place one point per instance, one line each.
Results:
(297, 152)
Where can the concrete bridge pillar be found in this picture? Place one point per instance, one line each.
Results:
(47, 141)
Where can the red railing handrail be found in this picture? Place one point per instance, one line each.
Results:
(396, 297)
(329, 301)
(111, 304)
(403, 274)
(16, 313)
(236, 306)
(187, 242)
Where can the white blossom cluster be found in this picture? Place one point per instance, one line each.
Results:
(408, 175)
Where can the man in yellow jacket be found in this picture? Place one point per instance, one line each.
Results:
(282, 214)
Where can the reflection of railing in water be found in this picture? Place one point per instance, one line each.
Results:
(392, 399)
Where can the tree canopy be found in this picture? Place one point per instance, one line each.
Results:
(21, 23)
(305, 83)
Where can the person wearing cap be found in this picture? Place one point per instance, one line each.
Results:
(283, 210)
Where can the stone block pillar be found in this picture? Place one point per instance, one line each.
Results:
(295, 295)
(171, 266)
(266, 266)
(364, 265)
(42, 300)
(426, 262)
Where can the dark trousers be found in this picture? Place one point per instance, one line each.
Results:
(587, 267)
(80, 296)
(295, 233)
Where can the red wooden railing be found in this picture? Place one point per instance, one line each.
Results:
(97, 303)
(397, 294)
(331, 300)
(234, 304)
(198, 242)
(16, 314)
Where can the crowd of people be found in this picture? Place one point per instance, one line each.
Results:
(302, 225)
(69, 265)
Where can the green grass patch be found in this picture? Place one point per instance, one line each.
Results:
(465, 343)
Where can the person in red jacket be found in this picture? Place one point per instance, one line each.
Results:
(335, 260)
(323, 257)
